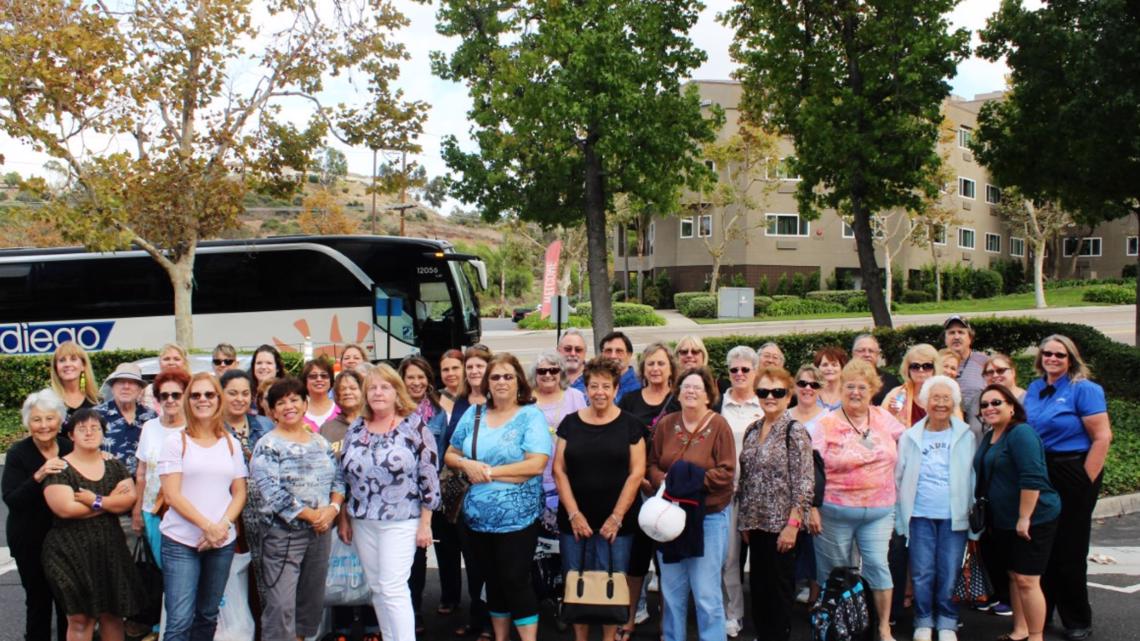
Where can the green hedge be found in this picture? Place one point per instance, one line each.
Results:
(1122, 467)
(625, 315)
(1110, 294)
(681, 300)
(761, 303)
(840, 296)
(800, 306)
(916, 296)
(704, 306)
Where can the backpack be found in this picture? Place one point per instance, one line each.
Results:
(841, 612)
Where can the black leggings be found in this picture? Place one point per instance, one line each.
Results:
(505, 559)
(772, 583)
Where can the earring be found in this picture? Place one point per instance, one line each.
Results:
(82, 380)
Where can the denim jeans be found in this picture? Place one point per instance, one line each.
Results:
(869, 527)
(935, 560)
(597, 552)
(700, 575)
(193, 582)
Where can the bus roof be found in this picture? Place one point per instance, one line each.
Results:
(331, 241)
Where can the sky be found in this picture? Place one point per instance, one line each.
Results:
(450, 102)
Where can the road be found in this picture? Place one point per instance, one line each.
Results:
(1117, 322)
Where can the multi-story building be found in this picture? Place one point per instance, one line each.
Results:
(772, 239)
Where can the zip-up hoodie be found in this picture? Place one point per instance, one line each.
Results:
(962, 446)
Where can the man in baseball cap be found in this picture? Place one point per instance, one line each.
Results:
(958, 335)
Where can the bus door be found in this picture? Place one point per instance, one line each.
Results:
(393, 328)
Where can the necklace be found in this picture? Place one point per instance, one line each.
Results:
(865, 440)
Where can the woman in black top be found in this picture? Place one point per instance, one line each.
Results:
(599, 464)
(29, 519)
(73, 380)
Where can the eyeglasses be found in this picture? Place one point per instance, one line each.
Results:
(997, 402)
(224, 361)
(573, 349)
(197, 396)
(739, 370)
(169, 396)
(997, 371)
(317, 376)
(926, 367)
(494, 378)
(87, 428)
(547, 371)
(778, 392)
(868, 350)
(811, 384)
(688, 351)
(693, 388)
(1047, 354)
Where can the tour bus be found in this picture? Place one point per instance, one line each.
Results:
(396, 296)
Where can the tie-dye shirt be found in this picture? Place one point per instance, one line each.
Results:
(292, 476)
(860, 471)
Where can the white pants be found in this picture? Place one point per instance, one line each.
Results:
(386, 550)
(730, 574)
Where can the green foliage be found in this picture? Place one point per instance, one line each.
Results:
(799, 306)
(11, 430)
(1122, 467)
(664, 290)
(22, 375)
(1013, 274)
(12, 179)
(984, 283)
(840, 296)
(700, 306)
(1129, 271)
(761, 303)
(799, 284)
(625, 314)
(533, 321)
(782, 284)
(681, 300)
(959, 282)
(916, 296)
(651, 296)
(1110, 294)
(785, 297)
(762, 287)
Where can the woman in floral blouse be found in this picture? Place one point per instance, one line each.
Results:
(390, 466)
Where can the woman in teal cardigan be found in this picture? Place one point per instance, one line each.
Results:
(1023, 506)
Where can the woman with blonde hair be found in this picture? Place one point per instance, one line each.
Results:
(691, 353)
(171, 356)
(73, 379)
(950, 362)
(918, 364)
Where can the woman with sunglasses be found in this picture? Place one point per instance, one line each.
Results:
(557, 400)
(858, 444)
(317, 376)
(774, 496)
(171, 386)
(203, 476)
(691, 353)
(224, 359)
(1068, 411)
(741, 408)
(918, 364)
(830, 361)
(502, 507)
(1011, 472)
(807, 412)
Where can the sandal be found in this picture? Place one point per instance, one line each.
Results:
(466, 631)
(623, 634)
(1009, 637)
(445, 609)
(485, 636)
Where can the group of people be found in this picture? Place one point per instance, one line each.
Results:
(839, 464)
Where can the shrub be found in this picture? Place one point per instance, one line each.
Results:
(681, 300)
(782, 284)
(664, 289)
(799, 284)
(632, 315)
(984, 283)
(857, 304)
(762, 287)
(812, 283)
(840, 296)
(533, 321)
(1012, 274)
(785, 297)
(618, 296)
(703, 306)
(1110, 294)
(760, 304)
(916, 296)
(489, 311)
(1129, 271)
(800, 306)
(651, 296)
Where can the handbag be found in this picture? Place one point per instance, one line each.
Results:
(595, 596)
(980, 511)
(661, 520)
(151, 577)
(973, 582)
(453, 483)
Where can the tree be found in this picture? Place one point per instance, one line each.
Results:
(334, 166)
(12, 179)
(1073, 69)
(176, 81)
(934, 213)
(858, 85)
(1040, 223)
(322, 215)
(739, 188)
(434, 191)
(575, 102)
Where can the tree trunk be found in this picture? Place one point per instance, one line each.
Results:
(600, 303)
(865, 246)
(503, 290)
(715, 275)
(1039, 274)
(1136, 330)
(182, 280)
(888, 290)
(623, 238)
(937, 272)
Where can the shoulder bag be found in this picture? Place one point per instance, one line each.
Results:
(595, 596)
(453, 483)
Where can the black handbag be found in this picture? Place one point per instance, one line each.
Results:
(980, 510)
(596, 596)
(453, 484)
(151, 577)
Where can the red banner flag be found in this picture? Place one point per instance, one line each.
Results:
(550, 277)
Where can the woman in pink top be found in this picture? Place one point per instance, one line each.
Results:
(858, 443)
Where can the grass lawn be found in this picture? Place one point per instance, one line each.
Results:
(1060, 297)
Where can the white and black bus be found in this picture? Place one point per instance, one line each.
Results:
(397, 296)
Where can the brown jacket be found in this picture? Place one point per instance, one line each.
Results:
(712, 448)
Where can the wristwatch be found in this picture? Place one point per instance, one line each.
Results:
(97, 504)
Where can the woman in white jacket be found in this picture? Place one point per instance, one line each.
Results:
(935, 482)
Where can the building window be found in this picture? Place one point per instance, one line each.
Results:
(704, 226)
(1016, 246)
(940, 235)
(1089, 246)
(965, 238)
(1132, 246)
(966, 188)
(780, 169)
(993, 195)
(964, 135)
(787, 225)
(711, 164)
(650, 238)
(687, 227)
(876, 228)
(993, 243)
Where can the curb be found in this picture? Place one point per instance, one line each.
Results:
(1113, 506)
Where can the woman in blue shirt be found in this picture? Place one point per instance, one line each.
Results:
(502, 507)
(1068, 411)
(1023, 506)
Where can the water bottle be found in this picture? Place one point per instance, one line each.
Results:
(898, 401)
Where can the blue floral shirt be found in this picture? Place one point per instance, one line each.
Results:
(122, 437)
(292, 476)
(391, 477)
(499, 506)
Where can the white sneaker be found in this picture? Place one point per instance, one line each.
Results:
(923, 634)
(804, 595)
(732, 627)
(641, 617)
(947, 635)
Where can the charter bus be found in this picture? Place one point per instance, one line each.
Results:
(396, 296)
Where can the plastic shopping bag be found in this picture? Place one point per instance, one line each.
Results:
(345, 583)
(235, 623)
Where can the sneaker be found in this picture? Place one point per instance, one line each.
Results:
(947, 635)
(732, 627)
(1001, 609)
(984, 606)
(803, 596)
(923, 634)
(641, 617)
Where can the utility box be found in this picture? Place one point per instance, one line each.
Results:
(735, 302)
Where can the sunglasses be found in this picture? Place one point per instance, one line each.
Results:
(547, 371)
(1047, 354)
(688, 352)
(169, 396)
(997, 371)
(925, 367)
(501, 377)
(224, 361)
(997, 402)
(778, 392)
(739, 370)
(197, 396)
(574, 349)
(811, 384)
(316, 376)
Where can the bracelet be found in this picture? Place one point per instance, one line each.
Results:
(335, 506)
(793, 522)
(615, 518)
(97, 504)
(574, 516)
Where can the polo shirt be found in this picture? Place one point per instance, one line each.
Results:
(628, 383)
(1057, 418)
(970, 379)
